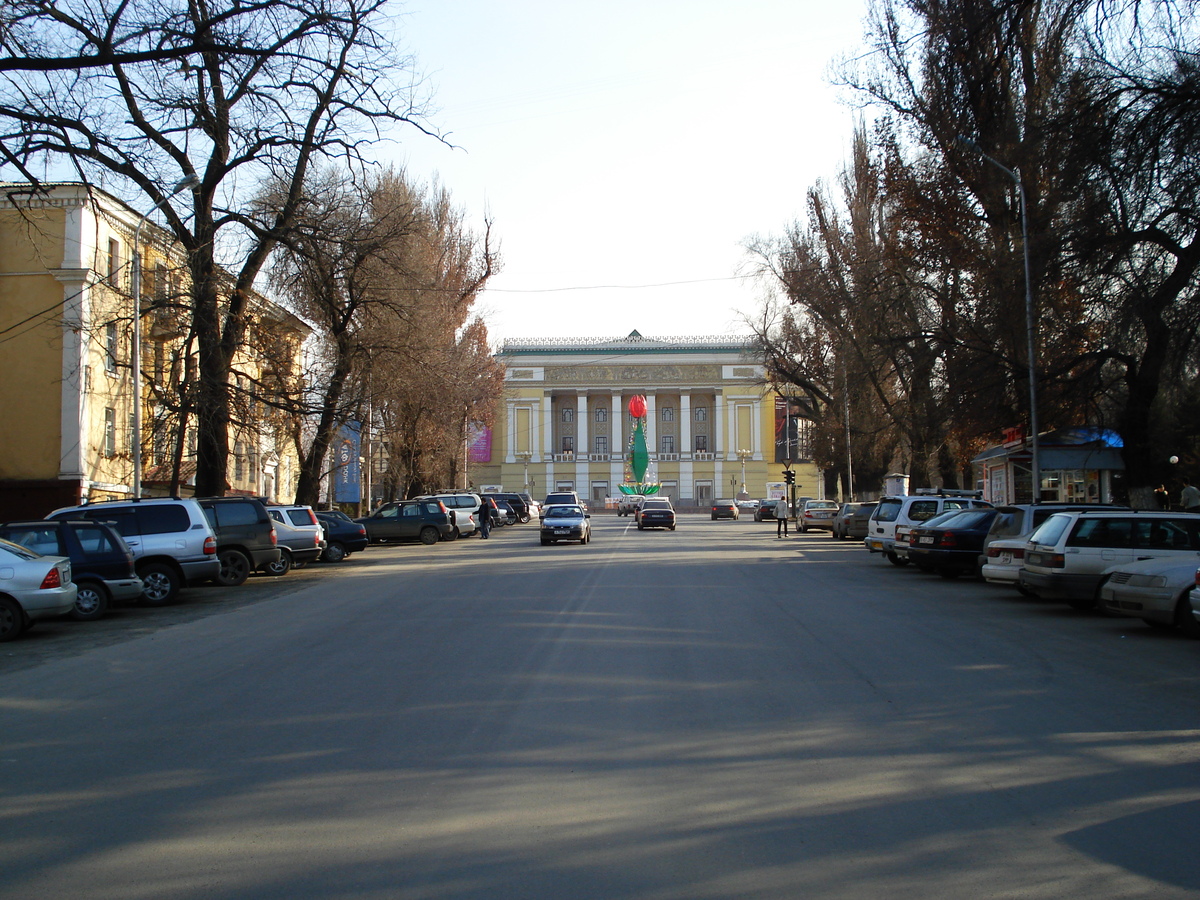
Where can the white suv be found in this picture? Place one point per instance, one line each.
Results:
(1067, 555)
(894, 517)
(172, 541)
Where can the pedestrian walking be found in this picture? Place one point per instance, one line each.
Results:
(782, 511)
(485, 517)
(1189, 499)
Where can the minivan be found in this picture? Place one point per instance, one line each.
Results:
(1066, 556)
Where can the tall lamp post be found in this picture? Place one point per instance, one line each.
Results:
(743, 455)
(524, 456)
(1034, 441)
(136, 344)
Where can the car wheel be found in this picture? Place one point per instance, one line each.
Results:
(525, 519)
(12, 619)
(545, 542)
(1086, 603)
(452, 534)
(91, 601)
(334, 553)
(429, 535)
(281, 567)
(896, 560)
(714, 518)
(672, 527)
(1184, 620)
(235, 568)
(160, 584)
(949, 573)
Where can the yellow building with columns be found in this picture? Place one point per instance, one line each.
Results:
(714, 428)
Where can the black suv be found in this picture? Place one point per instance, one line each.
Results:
(101, 561)
(518, 504)
(246, 540)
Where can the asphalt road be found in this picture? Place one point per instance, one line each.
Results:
(708, 713)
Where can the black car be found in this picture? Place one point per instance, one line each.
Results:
(343, 535)
(951, 544)
(427, 521)
(656, 514)
(518, 504)
(246, 539)
(101, 561)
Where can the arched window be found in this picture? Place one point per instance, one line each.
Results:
(701, 413)
(668, 414)
(568, 414)
(601, 414)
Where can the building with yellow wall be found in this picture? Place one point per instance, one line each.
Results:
(712, 426)
(66, 314)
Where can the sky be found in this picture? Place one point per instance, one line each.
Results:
(626, 152)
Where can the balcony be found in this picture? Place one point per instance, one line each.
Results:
(599, 457)
(668, 457)
(564, 457)
(704, 456)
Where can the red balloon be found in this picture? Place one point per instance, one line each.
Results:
(637, 406)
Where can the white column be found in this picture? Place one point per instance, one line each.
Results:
(685, 426)
(510, 432)
(582, 447)
(548, 427)
(651, 425)
(718, 429)
(618, 425)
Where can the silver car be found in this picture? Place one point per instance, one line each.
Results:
(1153, 590)
(32, 587)
(299, 536)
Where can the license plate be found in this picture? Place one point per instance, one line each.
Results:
(1006, 559)
(562, 530)
(876, 545)
(925, 540)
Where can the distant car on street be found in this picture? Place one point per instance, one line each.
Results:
(816, 514)
(565, 522)
(725, 509)
(656, 513)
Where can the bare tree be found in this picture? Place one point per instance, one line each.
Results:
(308, 82)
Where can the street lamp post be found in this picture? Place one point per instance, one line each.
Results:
(743, 455)
(524, 456)
(136, 343)
(1034, 441)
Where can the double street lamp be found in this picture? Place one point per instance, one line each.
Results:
(1035, 462)
(190, 181)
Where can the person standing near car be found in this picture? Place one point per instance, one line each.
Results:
(485, 517)
(781, 517)
(1189, 499)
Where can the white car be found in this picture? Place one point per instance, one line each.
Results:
(1004, 559)
(32, 587)
(1153, 590)
(900, 514)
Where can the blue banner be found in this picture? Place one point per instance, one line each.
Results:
(347, 473)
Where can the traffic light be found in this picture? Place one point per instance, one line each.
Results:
(789, 477)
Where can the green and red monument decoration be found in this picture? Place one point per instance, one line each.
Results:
(637, 459)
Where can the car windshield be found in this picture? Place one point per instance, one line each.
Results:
(821, 504)
(887, 510)
(564, 512)
(655, 504)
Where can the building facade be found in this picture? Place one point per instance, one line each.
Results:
(713, 429)
(66, 318)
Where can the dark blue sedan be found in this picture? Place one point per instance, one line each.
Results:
(951, 544)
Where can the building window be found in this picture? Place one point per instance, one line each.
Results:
(110, 432)
(253, 459)
(114, 261)
(110, 348)
(668, 443)
(239, 461)
(601, 443)
(568, 444)
(668, 414)
(704, 493)
(601, 414)
(568, 414)
(701, 413)
(702, 443)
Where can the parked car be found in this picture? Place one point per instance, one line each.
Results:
(32, 587)
(427, 521)
(172, 541)
(951, 544)
(817, 514)
(895, 513)
(747, 505)
(1157, 591)
(627, 504)
(299, 535)
(565, 522)
(101, 561)
(851, 520)
(517, 503)
(506, 514)
(724, 509)
(1004, 546)
(246, 538)
(531, 505)
(656, 513)
(343, 535)
(464, 510)
(1067, 556)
